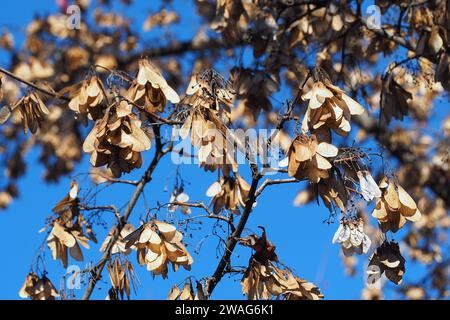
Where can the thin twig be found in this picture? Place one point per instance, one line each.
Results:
(111, 208)
(30, 84)
(269, 182)
(224, 262)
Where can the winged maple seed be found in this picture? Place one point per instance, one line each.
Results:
(308, 158)
(263, 279)
(38, 288)
(150, 90)
(333, 193)
(388, 260)
(211, 143)
(202, 134)
(117, 140)
(369, 187)
(120, 245)
(8, 96)
(394, 207)
(329, 105)
(188, 292)
(253, 91)
(351, 236)
(394, 100)
(68, 229)
(122, 277)
(178, 196)
(203, 111)
(88, 98)
(208, 89)
(32, 111)
(158, 243)
(100, 175)
(228, 193)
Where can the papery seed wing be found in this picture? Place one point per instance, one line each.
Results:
(337, 234)
(214, 189)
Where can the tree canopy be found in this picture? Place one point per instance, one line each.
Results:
(339, 98)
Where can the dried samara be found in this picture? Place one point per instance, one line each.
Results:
(32, 111)
(388, 260)
(88, 97)
(228, 193)
(38, 288)
(117, 140)
(208, 89)
(188, 292)
(394, 207)
(263, 279)
(122, 277)
(333, 193)
(158, 243)
(205, 136)
(120, 245)
(68, 229)
(351, 236)
(150, 90)
(308, 158)
(330, 106)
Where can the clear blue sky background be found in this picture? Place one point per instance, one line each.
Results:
(303, 240)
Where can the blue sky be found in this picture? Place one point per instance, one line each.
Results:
(303, 241)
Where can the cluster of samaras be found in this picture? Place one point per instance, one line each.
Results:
(388, 260)
(158, 244)
(117, 139)
(313, 157)
(329, 108)
(69, 229)
(122, 277)
(263, 279)
(340, 174)
(228, 193)
(394, 207)
(38, 288)
(187, 292)
(32, 111)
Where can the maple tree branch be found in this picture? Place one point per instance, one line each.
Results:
(388, 35)
(110, 208)
(183, 47)
(146, 178)
(224, 262)
(32, 85)
(115, 180)
(210, 214)
(269, 182)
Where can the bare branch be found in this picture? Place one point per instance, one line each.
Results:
(224, 262)
(32, 85)
(270, 182)
(111, 208)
